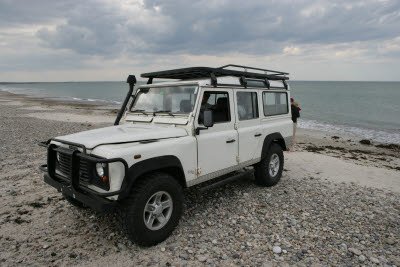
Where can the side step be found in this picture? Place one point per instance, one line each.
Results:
(226, 180)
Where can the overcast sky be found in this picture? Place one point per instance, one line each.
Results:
(75, 40)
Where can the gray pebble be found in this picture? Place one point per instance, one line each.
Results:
(277, 250)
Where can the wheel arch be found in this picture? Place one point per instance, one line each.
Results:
(169, 164)
(272, 138)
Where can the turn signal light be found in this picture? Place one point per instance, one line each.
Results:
(105, 180)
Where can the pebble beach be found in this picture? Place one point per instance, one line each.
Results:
(337, 204)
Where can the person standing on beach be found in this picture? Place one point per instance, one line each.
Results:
(295, 114)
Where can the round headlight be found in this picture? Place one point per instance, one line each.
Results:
(100, 169)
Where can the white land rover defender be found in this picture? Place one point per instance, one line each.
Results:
(207, 124)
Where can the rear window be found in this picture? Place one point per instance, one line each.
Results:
(247, 105)
(275, 103)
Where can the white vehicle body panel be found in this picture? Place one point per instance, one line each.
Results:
(248, 130)
(184, 148)
(123, 134)
(204, 156)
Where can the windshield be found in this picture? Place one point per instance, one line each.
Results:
(171, 99)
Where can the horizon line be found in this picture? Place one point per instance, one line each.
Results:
(30, 82)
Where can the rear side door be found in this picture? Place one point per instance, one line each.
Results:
(248, 124)
(275, 114)
(217, 146)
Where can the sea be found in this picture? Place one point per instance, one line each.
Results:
(369, 110)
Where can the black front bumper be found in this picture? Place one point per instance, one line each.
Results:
(97, 203)
(71, 186)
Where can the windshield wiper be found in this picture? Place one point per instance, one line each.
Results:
(163, 111)
(139, 111)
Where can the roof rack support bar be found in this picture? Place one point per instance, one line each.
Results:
(267, 83)
(243, 81)
(131, 80)
(213, 80)
(285, 84)
(150, 80)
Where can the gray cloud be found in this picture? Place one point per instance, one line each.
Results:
(74, 35)
(18, 12)
(220, 26)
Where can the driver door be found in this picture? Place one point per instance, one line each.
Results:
(217, 146)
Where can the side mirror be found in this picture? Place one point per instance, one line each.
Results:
(208, 119)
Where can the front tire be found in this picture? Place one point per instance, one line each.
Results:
(153, 209)
(268, 171)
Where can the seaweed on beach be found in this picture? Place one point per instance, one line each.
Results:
(393, 168)
(389, 146)
(336, 148)
(314, 149)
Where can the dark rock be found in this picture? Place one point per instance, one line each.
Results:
(19, 220)
(365, 142)
(36, 204)
(73, 255)
(13, 193)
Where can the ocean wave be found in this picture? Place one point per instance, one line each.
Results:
(375, 135)
(101, 100)
(18, 90)
(43, 93)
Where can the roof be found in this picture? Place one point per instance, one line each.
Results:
(207, 72)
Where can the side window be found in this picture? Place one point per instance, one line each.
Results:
(247, 105)
(275, 103)
(218, 102)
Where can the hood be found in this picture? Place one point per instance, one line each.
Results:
(122, 134)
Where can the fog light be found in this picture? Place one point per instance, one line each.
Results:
(100, 169)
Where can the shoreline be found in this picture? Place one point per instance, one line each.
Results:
(311, 132)
(374, 135)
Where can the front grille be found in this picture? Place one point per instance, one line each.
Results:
(84, 171)
(64, 167)
(64, 164)
(87, 171)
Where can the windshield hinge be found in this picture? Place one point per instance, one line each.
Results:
(237, 159)
(235, 126)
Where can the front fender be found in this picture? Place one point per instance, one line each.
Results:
(150, 165)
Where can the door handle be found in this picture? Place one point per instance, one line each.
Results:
(230, 141)
(257, 135)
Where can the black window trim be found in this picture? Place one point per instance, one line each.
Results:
(287, 104)
(257, 109)
(229, 105)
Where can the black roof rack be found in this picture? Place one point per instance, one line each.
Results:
(213, 73)
(205, 72)
(252, 68)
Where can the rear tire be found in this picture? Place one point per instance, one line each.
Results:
(152, 210)
(268, 171)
